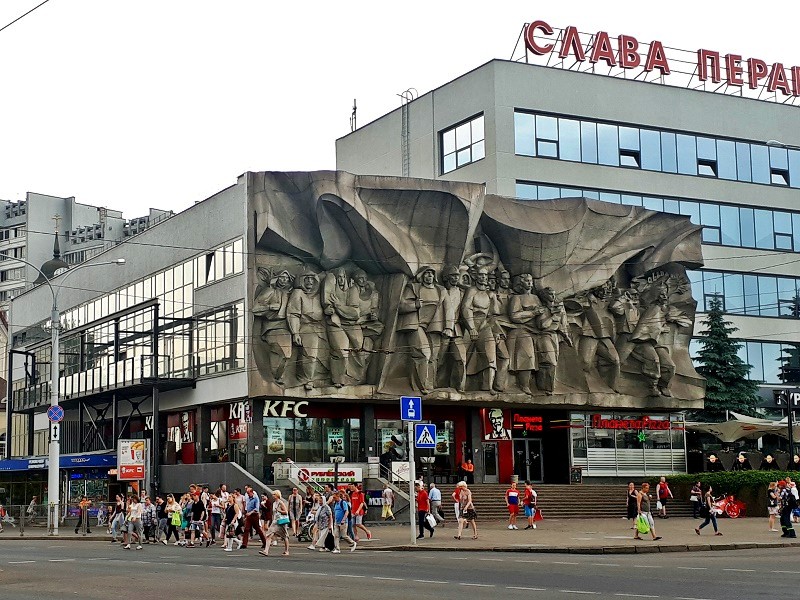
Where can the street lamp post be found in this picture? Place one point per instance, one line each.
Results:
(54, 452)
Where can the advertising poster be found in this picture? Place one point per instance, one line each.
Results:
(443, 442)
(335, 441)
(276, 440)
(131, 456)
(393, 444)
(495, 424)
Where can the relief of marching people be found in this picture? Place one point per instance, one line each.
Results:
(471, 327)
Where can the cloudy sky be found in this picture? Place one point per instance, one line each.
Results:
(160, 103)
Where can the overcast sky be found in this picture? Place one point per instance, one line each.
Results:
(160, 103)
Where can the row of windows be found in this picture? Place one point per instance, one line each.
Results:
(737, 226)
(12, 275)
(18, 252)
(10, 233)
(462, 144)
(742, 294)
(174, 287)
(653, 150)
(763, 357)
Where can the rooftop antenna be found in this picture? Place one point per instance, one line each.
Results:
(353, 125)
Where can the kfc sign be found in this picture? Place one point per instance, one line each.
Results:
(285, 408)
(626, 52)
(237, 423)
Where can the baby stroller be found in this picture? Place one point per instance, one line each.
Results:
(305, 532)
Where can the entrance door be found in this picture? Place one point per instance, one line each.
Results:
(490, 470)
(528, 460)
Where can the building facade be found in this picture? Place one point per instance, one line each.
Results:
(729, 163)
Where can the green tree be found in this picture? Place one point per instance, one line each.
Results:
(727, 385)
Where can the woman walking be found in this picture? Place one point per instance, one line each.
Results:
(232, 524)
(632, 510)
(280, 523)
(174, 512)
(773, 504)
(216, 515)
(118, 517)
(708, 512)
(466, 511)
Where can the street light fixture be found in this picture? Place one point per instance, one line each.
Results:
(54, 453)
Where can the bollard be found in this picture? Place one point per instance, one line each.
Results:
(21, 520)
(52, 515)
(84, 520)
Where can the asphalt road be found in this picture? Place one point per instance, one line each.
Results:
(51, 570)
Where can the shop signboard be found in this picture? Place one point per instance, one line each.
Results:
(527, 423)
(131, 457)
(401, 470)
(276, 440)
(335, 441)
(644, 422)
(237, 421)
(495, 424)
(324, 473)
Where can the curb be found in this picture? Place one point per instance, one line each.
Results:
(653, 549)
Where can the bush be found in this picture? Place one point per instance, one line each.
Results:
(732, 482)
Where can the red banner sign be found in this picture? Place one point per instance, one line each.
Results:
(645, 422)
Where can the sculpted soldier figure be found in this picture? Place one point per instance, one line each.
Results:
(502, 327)
(454, 370)
(657, 364)
(305, 319)
(598, 332)
(341, 314)
(366, 328)
(627, 319)
(552, 326)
(424, 313)
(270, 304)
(523, 308)
(478, 310)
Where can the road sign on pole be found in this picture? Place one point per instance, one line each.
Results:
(55, 414)
(425, 435)
(411, 408)
(55, 432)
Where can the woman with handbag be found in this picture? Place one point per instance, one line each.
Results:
(708, 512)
(174, 511)
(696, 498)
(279, 527)
(232, 524)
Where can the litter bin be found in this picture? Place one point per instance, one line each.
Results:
(576, 474)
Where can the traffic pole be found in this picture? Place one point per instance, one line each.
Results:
(412, 475)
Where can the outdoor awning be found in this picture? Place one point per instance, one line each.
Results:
(65, 462)
(742, 427)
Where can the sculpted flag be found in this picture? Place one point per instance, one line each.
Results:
(369, 286)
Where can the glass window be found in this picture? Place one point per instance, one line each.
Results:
(548, 193)
(546, 128)
(669, 152)
(607, 145)
(449, 138)
(524, 134)
(726, 159)
(729, 225)
(687, 154)
(760, 161)
(764, 231)
(787, 291)
(611, 197)
(771, 356)
(545, 148)
(794, 168)
(569, 137)
(751, 294)
(756, 361)
(768, 295)
(653, 203)
(651, 149)
(628, 138)
(238, 256)
(743, 168)
(631, 200)
(589, 143)
(692, 210)
(526, 191)
(734, 293)
(779, 158)
(712, 284)
(462, 144)
(696, 280)
(747, 219)
(706, 148)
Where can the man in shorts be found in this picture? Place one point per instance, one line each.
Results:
(359, 509)
(197, 524)
(643, 508)
(529, 504)
(512, 504)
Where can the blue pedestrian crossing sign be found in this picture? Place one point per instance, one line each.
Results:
(411, 408)
(425, 435)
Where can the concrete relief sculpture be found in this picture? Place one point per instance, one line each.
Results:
(386, 286)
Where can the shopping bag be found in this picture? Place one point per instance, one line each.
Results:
(430, 519)
(537, 516)
(330, 543)
(659, 506)
(642, 525)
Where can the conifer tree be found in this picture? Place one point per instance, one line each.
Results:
(727, 385)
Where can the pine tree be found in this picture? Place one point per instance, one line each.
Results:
(727, 385)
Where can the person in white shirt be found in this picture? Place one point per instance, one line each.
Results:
(435, 498)
(388, 502)
(134, 523)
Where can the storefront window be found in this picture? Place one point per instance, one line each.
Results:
(311, 440)
(578, 436)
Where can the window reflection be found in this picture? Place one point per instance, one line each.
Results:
(464, 143)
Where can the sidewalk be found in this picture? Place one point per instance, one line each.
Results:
(574, 536)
